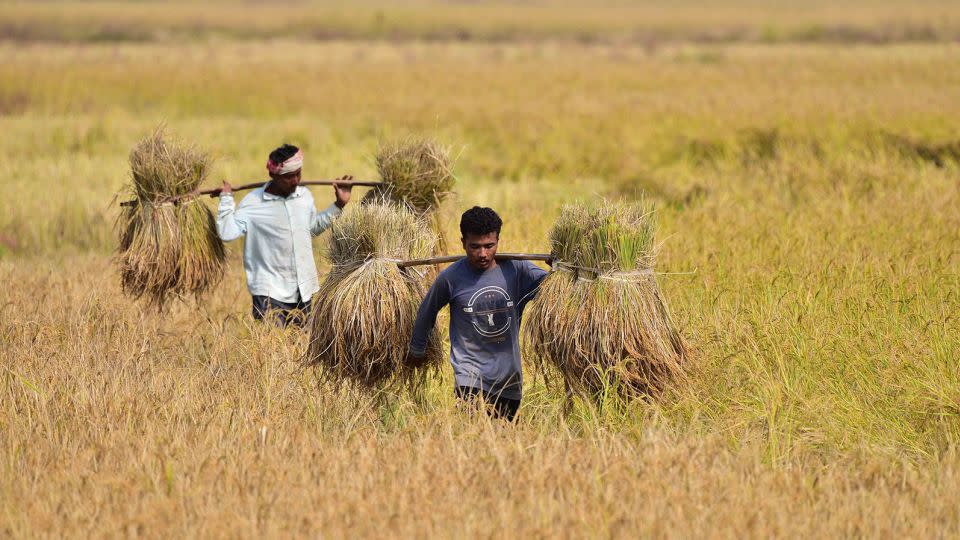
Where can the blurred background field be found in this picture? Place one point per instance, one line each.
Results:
(605, 21)
(804, 161)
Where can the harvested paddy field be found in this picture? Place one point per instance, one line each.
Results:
(807, 205)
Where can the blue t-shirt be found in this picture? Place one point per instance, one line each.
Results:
(485, 310)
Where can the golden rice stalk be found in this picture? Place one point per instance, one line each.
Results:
(362, 317)
(415, 172)
(601, 319)
(168, 240)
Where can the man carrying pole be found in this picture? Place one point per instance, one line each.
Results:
(486, 301)
(278, 221)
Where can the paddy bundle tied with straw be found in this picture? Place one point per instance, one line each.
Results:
(600, 317)
(168, 238)
(416, 172)
(363, 315)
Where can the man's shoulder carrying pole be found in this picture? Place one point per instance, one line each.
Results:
(215, 192)
(544, 257)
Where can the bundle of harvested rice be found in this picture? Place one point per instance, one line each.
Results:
(600, 317)
(415, 172)
(168, 238)
(362, 316)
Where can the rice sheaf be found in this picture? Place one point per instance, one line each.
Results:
(362, 317)
(600, 318)
(168, 239)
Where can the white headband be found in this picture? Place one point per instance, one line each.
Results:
(293, 164)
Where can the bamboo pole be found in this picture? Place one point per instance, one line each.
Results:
(215, 192)
(545, 257)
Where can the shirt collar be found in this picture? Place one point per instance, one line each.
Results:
(271, 197)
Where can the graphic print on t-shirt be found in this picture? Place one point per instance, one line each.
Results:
(491, 311)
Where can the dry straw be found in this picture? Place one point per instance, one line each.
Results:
(362, 317)
(416, 172)
(600, 317)
(168, 239)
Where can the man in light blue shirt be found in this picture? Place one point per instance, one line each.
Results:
(279, 220)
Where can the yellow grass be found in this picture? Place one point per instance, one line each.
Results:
(649, 22)
(797, 180)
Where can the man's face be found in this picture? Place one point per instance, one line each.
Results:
(481, 250)
(286, 184)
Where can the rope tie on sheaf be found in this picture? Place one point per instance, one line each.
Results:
(176, 200)
(630, 276)
(147, 207)
(351, 267)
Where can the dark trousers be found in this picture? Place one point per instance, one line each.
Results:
(497, 406)
(282, 314)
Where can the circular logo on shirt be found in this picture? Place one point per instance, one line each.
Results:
(491, 311)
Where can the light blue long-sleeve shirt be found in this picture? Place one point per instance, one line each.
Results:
(278, 252)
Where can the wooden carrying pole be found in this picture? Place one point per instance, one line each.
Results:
(215, 192)
(545, 257)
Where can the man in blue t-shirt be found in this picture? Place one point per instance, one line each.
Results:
(486, 299)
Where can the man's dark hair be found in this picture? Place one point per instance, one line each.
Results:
(283, 153)
(480, 221)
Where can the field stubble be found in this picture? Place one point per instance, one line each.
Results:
(796, 181)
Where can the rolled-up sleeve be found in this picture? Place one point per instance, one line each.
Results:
(231, 223)
(320, 221)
